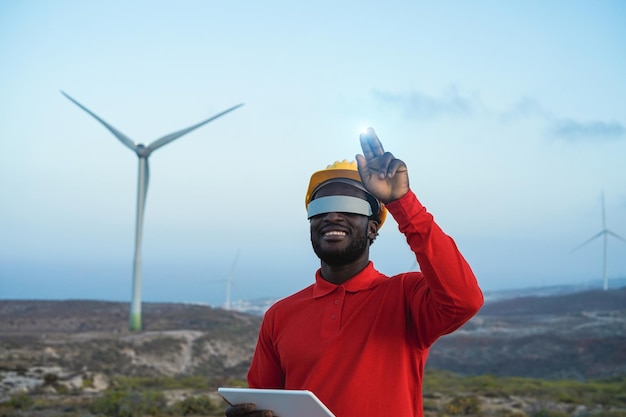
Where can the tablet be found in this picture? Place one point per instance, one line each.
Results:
(284, 403)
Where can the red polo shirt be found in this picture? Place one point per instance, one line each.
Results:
(361, 346)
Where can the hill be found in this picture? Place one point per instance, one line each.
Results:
(84, 345)
(94, 335)
(579, 336)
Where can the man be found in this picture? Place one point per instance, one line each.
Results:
(357, 338)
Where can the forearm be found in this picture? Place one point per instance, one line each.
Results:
(453, 294)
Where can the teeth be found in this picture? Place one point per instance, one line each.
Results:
(335, 233)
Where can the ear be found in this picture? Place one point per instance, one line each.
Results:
(372, 229)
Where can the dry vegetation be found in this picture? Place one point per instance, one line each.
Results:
(549, 357)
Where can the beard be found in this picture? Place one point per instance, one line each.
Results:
(344, 256)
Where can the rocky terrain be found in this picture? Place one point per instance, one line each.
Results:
(89, 340)
(82, 345)
(577, 336)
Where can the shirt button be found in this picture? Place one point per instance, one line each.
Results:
(336, 302)
(333, 317)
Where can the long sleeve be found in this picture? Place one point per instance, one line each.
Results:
(450, 295)
(267, 371)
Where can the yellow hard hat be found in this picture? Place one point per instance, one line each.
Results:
(340, 169)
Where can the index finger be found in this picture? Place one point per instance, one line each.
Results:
(370, 144)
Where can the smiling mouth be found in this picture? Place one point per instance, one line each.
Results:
(333, 233)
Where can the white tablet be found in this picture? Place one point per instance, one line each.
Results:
(284, 403)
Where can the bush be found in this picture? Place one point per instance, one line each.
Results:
(611, 413)
(50, 379)
(20, 402)
(87, 381)
(163, 383)
(61, 389)
(550, 413)
(130, 404)
(510, 413)
(463, 406)
(201, 405)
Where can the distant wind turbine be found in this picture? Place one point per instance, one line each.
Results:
(604, 233)
(143, 152)
(229, 283)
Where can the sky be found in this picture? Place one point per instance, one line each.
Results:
(510, 116)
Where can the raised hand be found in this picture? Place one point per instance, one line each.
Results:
(383, 175)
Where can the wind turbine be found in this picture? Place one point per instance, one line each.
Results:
(604, 234)
(143, 152)
(229, 283)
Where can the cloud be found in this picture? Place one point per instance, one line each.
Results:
(567, 129)
(417, 105)
(452, 103)
(573, 130)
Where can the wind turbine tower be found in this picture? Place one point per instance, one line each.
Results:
(143, 152)
(229, 283)
(604, 234)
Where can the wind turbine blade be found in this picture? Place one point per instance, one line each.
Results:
(615, 235)
(122, 137)
(232, 268)
(173, 136)
(589, 240)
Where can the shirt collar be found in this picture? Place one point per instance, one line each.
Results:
(367, 278)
